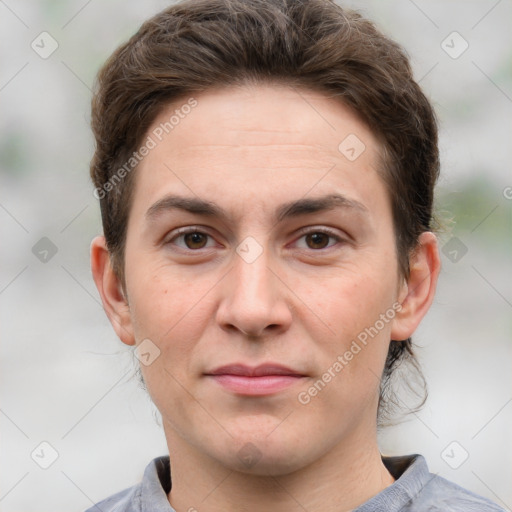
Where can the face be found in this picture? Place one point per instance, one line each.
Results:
(281, 295)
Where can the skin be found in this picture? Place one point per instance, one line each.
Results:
(300, 303)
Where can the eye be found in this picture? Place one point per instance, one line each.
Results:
(318, 239)
(193, 239)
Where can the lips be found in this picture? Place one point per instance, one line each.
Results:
(265, 379)
(255, 371)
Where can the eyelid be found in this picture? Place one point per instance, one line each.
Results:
(175, 233)
(325, 230)
(319, 229)
(301, 233)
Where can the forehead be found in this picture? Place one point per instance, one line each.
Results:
(261, 115)
(266, 140)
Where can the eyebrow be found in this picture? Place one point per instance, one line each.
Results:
(285, 211)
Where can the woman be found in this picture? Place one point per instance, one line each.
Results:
(265, 171)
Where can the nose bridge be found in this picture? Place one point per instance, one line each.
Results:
(253, 277)
(250, 302)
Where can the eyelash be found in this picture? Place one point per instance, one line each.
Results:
(185, 231)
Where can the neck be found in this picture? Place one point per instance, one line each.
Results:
(342, 480)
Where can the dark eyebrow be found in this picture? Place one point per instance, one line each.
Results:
(285, 211)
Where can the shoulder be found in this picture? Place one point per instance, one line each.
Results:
(416, 489)
(440, 494)
(149, 494)
(127, 500)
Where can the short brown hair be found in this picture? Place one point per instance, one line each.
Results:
(196, 45)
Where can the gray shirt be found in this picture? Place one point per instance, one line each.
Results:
(415, 489)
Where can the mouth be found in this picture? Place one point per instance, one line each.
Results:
(264, 379)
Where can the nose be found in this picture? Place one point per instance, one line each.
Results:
(255, 298)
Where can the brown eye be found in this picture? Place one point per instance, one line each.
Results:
(195, 240)
(190, 239)
(318, 240)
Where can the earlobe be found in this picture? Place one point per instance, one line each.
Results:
(418, 292)
(110, 290)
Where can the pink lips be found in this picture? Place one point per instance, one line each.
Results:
(264, 379)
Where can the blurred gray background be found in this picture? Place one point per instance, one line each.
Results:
(67, 382)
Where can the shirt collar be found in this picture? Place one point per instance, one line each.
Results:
(156, 484)
(410, 472)
(411, 475)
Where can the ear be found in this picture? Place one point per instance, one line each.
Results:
(109, 287)
(417, 293)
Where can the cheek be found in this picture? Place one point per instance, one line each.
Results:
(172, 310)
(168, 315)
(354, 301)
(353, 308)
(163, 301)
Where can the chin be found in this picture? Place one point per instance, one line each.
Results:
(264, 455)
(262, 463)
